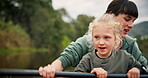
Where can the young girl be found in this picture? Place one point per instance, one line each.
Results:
(104, 33)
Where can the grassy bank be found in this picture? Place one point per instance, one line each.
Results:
(7, 51)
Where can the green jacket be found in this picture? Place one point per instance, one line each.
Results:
(76, 50)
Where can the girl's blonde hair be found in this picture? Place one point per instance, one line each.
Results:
(107, 20)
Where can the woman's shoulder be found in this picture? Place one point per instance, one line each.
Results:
(128, 41)
(129, 38)
(83, 38)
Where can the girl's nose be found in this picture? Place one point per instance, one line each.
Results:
(101, 42)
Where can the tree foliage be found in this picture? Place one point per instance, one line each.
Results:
(13, 36)
(81, 24)
(43, 25)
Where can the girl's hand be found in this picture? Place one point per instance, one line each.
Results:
(101, 73)
(133, 73)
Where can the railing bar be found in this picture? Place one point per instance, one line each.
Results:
(21, 72)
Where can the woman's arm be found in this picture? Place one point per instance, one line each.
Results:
(74, 52)
(57, 64)
(131, 46)
(138, 54)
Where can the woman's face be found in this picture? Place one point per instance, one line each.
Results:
(127, 23)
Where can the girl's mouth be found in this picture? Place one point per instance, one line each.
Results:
(102, 48)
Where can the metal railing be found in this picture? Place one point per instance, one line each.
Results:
(22, 72)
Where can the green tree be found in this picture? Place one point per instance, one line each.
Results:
(44, 25)
(13, 36)
(81, 24)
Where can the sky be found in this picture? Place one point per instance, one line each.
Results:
(96, 7)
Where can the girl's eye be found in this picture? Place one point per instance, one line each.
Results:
(96, 37)
(107, 37)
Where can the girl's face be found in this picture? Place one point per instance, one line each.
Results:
(104, 40)
(127, 23)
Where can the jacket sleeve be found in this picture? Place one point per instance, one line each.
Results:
(131, 47)
(134, 63)
(74, 52)
(138, 54)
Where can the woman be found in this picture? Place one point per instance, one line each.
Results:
(104, 33)
(126, 13)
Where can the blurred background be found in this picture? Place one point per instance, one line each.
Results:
(33, 33)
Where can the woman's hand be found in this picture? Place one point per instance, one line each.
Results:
(49, 70)
(101, 73)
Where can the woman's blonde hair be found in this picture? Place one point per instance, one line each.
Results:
(107, 20)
